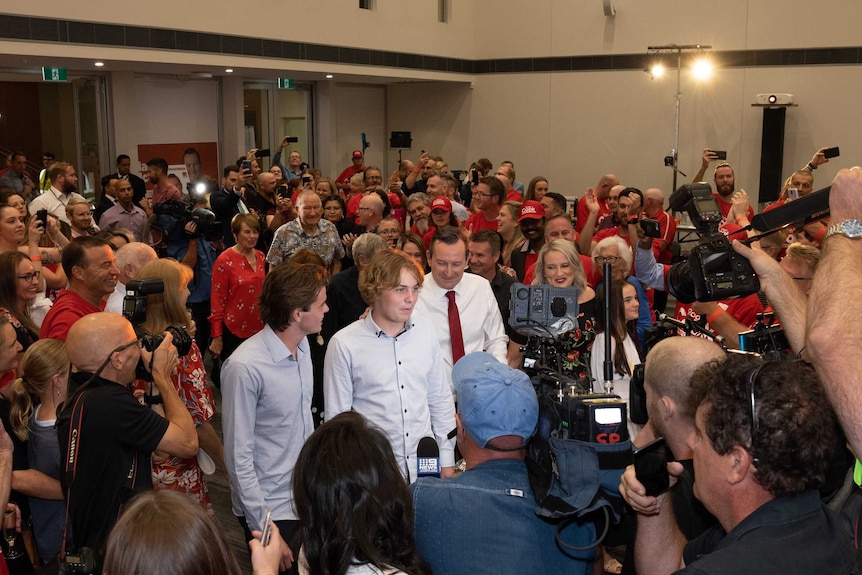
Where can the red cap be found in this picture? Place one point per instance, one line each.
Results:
(357, 154)
(531, 210)
(441, 203)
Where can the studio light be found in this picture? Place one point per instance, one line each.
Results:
(702, 69)
(657, 70)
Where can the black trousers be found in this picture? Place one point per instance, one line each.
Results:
(289, 530)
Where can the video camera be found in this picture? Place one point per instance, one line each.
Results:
(713, 271)
(767, 339)
(135, 310)
(545, 313)
(174, 215)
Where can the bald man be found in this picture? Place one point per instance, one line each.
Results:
(130, 258)
(667, 376)
(106, 436)
(370, 212)
(601, 193)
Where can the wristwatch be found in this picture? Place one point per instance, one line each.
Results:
(850, 228)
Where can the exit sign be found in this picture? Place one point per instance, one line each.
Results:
(285, 83)
(54, 74)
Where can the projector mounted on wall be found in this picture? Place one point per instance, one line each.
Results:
(774, 100)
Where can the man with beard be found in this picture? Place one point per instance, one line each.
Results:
(163, 189)
(64, 182)
(725, 183)
(125, 214)
(532, 223)
(80, 218)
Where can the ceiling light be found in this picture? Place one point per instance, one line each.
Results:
(657, 71)
(99, 64)
(329, 76)
(228, 70)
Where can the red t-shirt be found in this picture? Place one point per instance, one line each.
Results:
(744, 310)
(725, 206)
(583, 212)
(478, 222)
(514, 196)
(348, 173)
(68, 308)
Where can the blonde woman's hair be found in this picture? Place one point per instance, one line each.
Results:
(164, 309)
(567, 248)
(41, 362)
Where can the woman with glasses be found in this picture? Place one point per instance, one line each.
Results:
(615, 251)
(34, 398)
(20, 285)
(558, 265)
(169, 309)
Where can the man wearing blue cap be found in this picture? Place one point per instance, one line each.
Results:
(484, 520)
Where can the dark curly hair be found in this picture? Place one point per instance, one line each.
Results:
(352, 501)
(794, 434)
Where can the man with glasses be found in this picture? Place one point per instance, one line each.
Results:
(310, 230)
(374, 183)
(92, 271)
(80, 216)
(370, 212)
(764, 435)
(106, 436)
(487, 201)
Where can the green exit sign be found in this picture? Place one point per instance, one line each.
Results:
(54, 74)
(285, 83)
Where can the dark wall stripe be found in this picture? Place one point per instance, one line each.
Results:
(97, 34)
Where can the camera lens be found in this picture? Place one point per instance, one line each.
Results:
(182, 339)
(680, 284)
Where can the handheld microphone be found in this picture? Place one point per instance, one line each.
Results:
(428, 458)
(664, 318)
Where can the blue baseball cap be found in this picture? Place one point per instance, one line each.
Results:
(494, 399)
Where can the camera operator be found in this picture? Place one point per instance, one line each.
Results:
(763, 438)
(106, 436)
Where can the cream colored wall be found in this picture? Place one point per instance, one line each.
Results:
(402, 25)
(518, 29)
(575, 127)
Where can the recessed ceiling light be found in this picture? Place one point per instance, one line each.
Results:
(329, 76)
(99, 64)
(228, 70)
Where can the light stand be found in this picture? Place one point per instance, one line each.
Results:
(677, 50)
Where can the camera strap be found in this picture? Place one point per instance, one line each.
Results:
(72, 457)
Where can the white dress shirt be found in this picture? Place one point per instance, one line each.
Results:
(55, 202)
(397, 383)
(481, 323)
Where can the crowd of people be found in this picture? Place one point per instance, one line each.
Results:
(347, 320)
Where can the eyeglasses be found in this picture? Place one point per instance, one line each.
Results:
(361, 209)
(607, 259)
(752, 380)
(388, 232)
(29, 277)
(803, 279)
(481, 195)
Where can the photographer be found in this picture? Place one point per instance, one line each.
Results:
(107, 419)
(167, 310)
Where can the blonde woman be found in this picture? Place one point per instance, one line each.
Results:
(34, 398)
(507, 225)
(169, 309)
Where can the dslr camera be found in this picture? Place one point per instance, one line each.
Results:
(135, 310)
(713, 271)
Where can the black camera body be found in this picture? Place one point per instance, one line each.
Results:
(714, 271)
(135, 310)
(84, 562)
(174, 215)
(594, 418)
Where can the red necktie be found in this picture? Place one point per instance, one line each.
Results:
(455, 333)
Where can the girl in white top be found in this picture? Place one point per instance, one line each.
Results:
(624, 350)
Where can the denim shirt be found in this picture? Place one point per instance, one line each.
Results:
(484, 521)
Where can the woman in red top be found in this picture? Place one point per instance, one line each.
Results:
(236, 285)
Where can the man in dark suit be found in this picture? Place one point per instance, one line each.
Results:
(139, 188)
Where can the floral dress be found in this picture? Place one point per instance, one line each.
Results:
(574, 347)
(176, 473)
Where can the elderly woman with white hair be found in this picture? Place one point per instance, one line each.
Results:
(615, 251)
